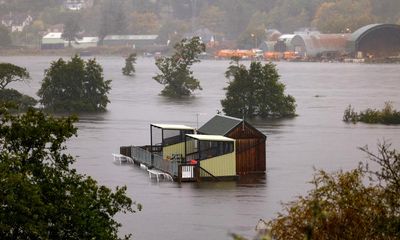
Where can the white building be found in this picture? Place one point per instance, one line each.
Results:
(76, 5)
(16, 22)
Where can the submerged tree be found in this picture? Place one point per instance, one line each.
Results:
(175, 70)
(256, 92)
(388, 115)
(74, 86)
(129, 68)
(42, 196)
(20, 101)
(11, 73)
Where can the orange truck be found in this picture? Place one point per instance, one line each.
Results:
(241, 53)
(272, 56)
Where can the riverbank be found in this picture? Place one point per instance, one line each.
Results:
(95, 51)
(125, 51)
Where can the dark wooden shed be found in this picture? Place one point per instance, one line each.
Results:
(250, 142)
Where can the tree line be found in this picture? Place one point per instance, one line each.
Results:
(229, 19)
(79, 86)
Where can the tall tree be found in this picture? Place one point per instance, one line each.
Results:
(11, 73)
(129, 68)
(113, 19)
(175, 70)
(42, 196)
(256, 92)
(74, 86)
(71, 30)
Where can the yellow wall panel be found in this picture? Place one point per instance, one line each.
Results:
(178, 148)
(224, 165)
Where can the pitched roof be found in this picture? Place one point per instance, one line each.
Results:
(219, 125)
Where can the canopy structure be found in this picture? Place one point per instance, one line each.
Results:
(214, 138)
(172, 126)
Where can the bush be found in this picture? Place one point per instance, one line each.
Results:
(256, 92)
(388, 115)
(21, 101)
(357, 204)
(74, 86)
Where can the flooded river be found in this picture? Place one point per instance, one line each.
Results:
(317, 138)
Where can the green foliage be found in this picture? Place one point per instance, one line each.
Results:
(11, 73)
(71, 30)
(175, 70)
(357, 204)
(231, 19)
(129, 68)
(388, 115)
(256, 92)
(74, 86)
(12, 96)
(113, 19)
(343, 16)
(42, 196)
(350, 115)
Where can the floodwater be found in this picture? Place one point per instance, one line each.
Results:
(317, 138)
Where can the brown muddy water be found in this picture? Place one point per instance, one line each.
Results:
(317, 138)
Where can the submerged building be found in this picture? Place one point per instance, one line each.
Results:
(223, 148)
(250, 142)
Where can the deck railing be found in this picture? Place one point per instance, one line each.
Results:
(154, 160)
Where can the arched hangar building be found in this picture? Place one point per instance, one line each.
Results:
(375, 40)
(370, 41)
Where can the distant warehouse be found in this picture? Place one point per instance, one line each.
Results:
(134, 41)
(53, 40)
(370, 41)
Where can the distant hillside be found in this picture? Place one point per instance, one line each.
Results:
(241, 21)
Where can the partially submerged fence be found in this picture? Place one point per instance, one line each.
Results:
(155, 160)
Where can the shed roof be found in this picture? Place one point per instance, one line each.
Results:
(88, 40)
(172, 126)
(218, 138)
(53, 35)
(220, 125)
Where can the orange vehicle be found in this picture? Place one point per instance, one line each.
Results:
(228, 53)
(272, 56)
(290, 55)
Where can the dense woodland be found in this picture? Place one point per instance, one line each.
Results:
(235, 20)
